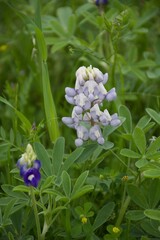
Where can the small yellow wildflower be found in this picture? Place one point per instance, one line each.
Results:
(84, 220)
(3, 48)
(115, 229)
(101, 176)
(125, 178)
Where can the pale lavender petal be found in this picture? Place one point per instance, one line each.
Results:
(70, 92)
(111, 95)
(78, 110)
(115, 122)
(70, 99)
(67, 120)
(100, 140)
(78, 142)
(105, 78)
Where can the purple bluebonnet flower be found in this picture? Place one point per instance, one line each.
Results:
(29, 167)
(87, 97)
(32, 177)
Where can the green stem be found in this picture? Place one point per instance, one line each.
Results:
(68, 225)
(35, 213)
(123, 209)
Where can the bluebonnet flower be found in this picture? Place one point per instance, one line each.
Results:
(87, 97)
(29, 167)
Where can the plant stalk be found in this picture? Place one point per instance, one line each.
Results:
(36, 214)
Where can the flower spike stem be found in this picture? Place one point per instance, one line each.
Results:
(36, 214)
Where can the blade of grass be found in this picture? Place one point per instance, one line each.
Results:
(49, 105)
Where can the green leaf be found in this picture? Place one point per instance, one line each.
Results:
(152, 173)
(135, 215)
(143, 122)
(71, 24)
(150, 227)
(42, 155)
(147, 15)
(153, 114)
(139, 74)
(154, 146)
(129, 153)
(8, 189)
(107, 145)
(21, 188)
(59, 45)
(58, 153)
(2, 132)
(87, 153)
(83, 190)
(66, 183)
(48, 182)
(49, 106)
(11, 136)
(41, 43)
(141, 163)
(8, 209)
(79, 182)
(72, 158)
(139, 139)
(124, 112)
(103, 214)
(153, 214)
(64, 14)
(137, 196)
(146, 63)
(154, 193)
(26, 125)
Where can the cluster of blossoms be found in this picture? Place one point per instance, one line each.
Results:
(87, 97)
(29, 167)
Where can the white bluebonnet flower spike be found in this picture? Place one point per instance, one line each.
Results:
(87, 97)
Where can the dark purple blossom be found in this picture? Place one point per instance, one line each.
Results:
(32, 177)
